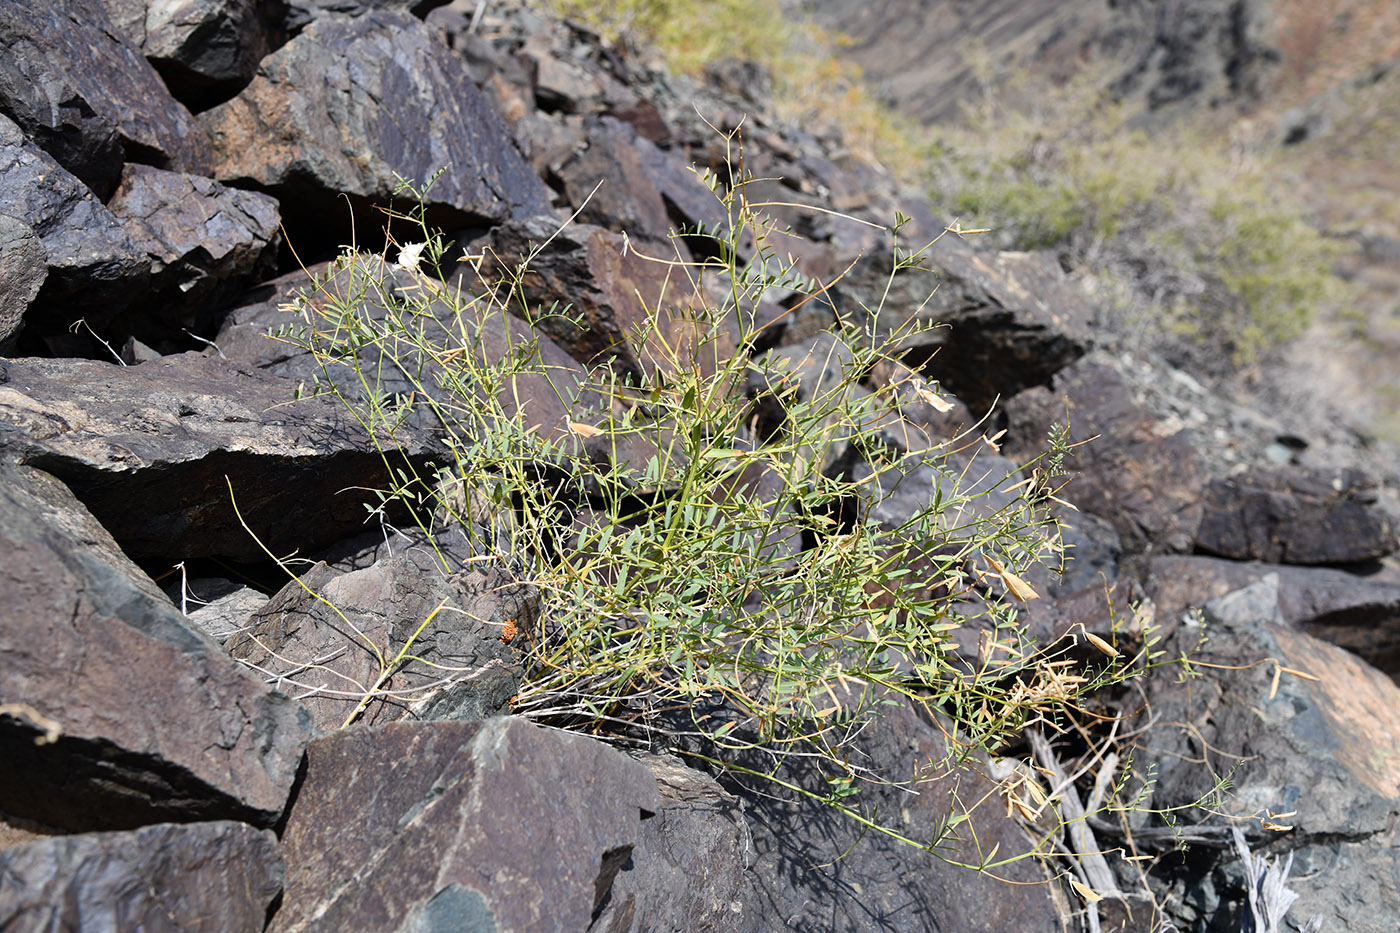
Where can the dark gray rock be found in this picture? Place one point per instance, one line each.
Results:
(351, 105)
(1012, 319)
(210, 877)
(495, 825)
(87, 97)
(154, 722)
(207, 243)
(329, 639)
(94, 267)
(201, 47)
(1296, 517)
(153, 449)
(1134, 468)
(1358, 612)
(689, 869)
(817, 869)
(1319, 750)
(23, 268)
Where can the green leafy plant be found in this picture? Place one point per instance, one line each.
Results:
(1187, 238)
(703, 573)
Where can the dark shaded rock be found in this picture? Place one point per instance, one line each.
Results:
(1295, 517)
(1355, 612)
(329, 639)
(206, 242)
(1012, 319)
(87, 97)
(203, 876)
(633, 309)
(352, 105)
(153, 449)
(817, 869)
(1321, 749)
(94, 267)
(155, 723)
(1143, 475)
(689, 869)
(204, 49)
(23, 268)
(495, 825)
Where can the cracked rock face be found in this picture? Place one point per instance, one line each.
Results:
(352, 105)
(495, 825)
(80, 628)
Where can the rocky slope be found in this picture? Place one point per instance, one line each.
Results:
(168, 705)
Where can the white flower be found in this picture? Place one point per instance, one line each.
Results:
(410, 256)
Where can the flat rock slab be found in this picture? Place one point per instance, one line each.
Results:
(94, 267)
(1296, 516)
(151, 450)
(495, 825)
(206, 242)
(350, 104)
(88, 97)
(153, 721)
(209, 877)
(331, 636)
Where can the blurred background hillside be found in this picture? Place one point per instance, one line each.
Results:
(1221, 175)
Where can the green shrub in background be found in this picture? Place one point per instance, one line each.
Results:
(1192, 240)
(700, 581)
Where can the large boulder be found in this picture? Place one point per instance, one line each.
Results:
(1307, 736)
(115, 712)
(351, 106)
(1011, 319)
(87, 97)
(817, 868)
(210, 877)
(207, 243)
(1356, 611)
(161, 451)
(615, 301)
(94, 266)
(690, 867)
(495, 825)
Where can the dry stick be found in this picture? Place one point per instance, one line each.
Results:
(1091, 861)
